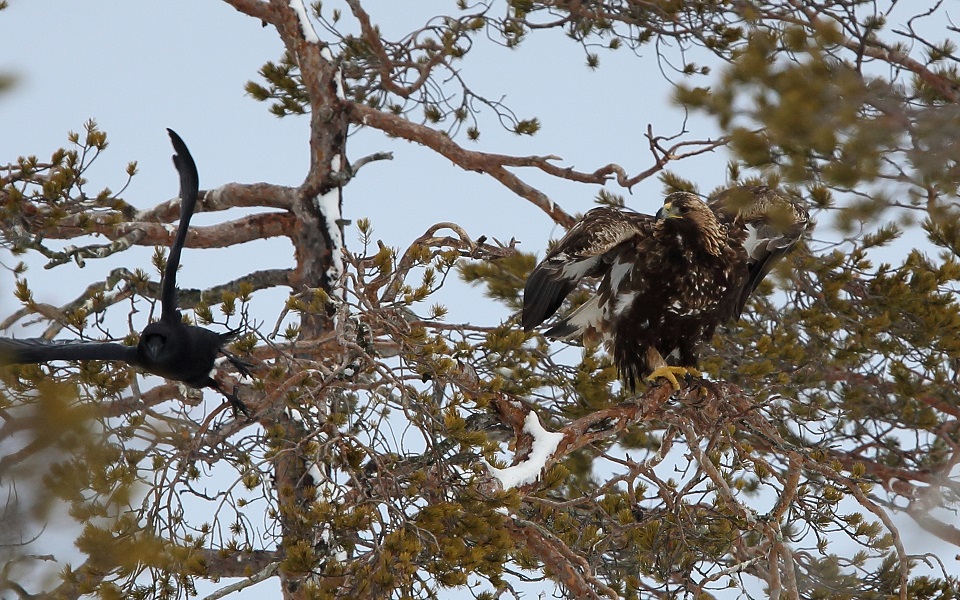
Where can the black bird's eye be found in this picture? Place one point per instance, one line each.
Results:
(684, 209)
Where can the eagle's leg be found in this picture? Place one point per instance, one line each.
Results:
(670, 374)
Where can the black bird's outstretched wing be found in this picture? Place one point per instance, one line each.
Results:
(770, 224)
(38, 350)
(582, 252)
(189, 191)
(168, 347)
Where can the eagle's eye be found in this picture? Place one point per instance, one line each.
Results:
(684, 209)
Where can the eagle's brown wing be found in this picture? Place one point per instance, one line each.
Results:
(768, 224)
(585, 251)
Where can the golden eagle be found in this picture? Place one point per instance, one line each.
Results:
(667, 281)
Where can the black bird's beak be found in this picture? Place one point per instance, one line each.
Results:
(153, 346)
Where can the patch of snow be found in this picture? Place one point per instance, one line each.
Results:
(329, 206)
(213, 195)
(309, 33)
(326, 55)
(318, 478)
(544, 445)
(327, 490)
(460, 472)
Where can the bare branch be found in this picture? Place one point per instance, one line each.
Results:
(262, 575)
(239, 231)
(259, 9)
(568, 568)
(465, 159)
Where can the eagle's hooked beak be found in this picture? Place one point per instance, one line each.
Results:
(667, 211)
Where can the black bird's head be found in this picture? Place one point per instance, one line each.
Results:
(152, 345)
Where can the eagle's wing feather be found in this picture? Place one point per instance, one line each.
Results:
(770, 225)
(37, 350)
(582, 252)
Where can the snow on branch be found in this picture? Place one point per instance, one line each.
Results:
(80, 254)
(599, 425)
(528, 471)
(309, 33)
(328, 204)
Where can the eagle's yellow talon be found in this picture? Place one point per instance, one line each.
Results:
(670, 374)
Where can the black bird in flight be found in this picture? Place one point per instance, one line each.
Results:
(169, 347)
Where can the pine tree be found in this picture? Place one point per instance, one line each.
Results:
(393, 453)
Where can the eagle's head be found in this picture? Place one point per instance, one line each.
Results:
(687, 214)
